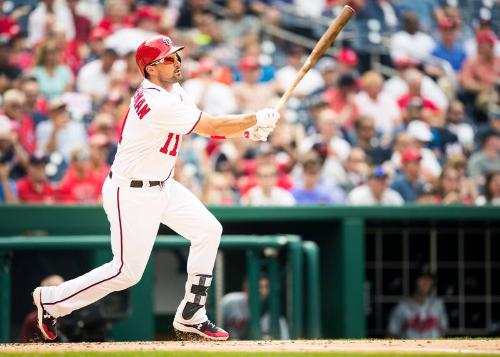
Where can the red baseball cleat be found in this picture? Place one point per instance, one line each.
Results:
(46, 322)
(205, 329)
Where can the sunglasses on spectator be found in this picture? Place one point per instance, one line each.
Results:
(169, 60)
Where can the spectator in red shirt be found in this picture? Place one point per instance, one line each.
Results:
(341, 99)
(14, 101)
(100, 147)
(431, 112)
(83, 25)
(35, 188)
(80, 184)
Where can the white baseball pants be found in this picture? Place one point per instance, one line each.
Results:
(134, 215)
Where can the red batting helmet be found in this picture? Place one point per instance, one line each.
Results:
(153, 49)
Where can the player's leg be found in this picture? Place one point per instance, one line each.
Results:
(187, 216)
(134, 215)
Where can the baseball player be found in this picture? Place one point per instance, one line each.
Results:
(140, 193)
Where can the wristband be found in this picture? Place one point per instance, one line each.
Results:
(217, 137)
(246, 134)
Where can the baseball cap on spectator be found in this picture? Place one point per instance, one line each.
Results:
(98, 33)
(249, 63)
(487, 36)
(38, 158)
(419, 130)
(326, 64)
(347, 56)
(378, 172)
(410, 155)
(147, 13)
(56, 103)
(447, 24)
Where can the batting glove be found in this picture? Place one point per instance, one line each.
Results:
(267, 118)
(256, 133)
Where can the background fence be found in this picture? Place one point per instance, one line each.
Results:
(364, 252)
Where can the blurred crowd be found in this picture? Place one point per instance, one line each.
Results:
(404, 109)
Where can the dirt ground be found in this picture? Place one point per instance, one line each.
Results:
(408, 346)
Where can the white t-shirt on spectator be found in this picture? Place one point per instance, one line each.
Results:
(69, 138)
(396, 87)
(417, 46)
(363, 196)
(218, 98)
(384, 110)
(37, 21)
(464, 133)
(93, 81)
(279, 197)
(311, 81)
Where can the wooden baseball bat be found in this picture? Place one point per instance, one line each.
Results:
(324, 42)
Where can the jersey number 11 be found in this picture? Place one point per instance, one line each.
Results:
(172, 152)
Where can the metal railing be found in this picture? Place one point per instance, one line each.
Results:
(293, 247)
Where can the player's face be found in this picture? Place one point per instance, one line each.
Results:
(168, 69)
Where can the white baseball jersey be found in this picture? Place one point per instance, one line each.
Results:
(152, 132)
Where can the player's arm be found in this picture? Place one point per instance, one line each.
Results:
(224, 125)
(227, 126)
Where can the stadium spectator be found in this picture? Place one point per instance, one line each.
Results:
(450, 188)
(80, 184)
(217, 191)
(431, 112)
(94, 77)
(312, 189)
(13, 104)
(491, 190)
(83, 25)
(236, 313)
(410, 42)
(245, 90)
(373, 101)
(60, 133)
(487, 159)
(8, 189)
(327, 132)
(341, 99)
(35, 188)
(455, 123)
(208, 94)
(347, 61)
(365, 137)
(12, 153)
(376, 191)
(49, 16)
(117, 15)
(422, 136)
(409, 183)
(449, 49)
(53, 77)
(422, 315)
(239, 28)
(9, 71)
(311, 82)
(100, 150)
(355, 170)
(267, 193)
(480, 73)
(35, 105)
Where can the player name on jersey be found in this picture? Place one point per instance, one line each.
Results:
(140, 105)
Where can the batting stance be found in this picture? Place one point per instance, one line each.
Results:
(140, 193)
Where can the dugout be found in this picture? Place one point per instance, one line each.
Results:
(367, 254)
